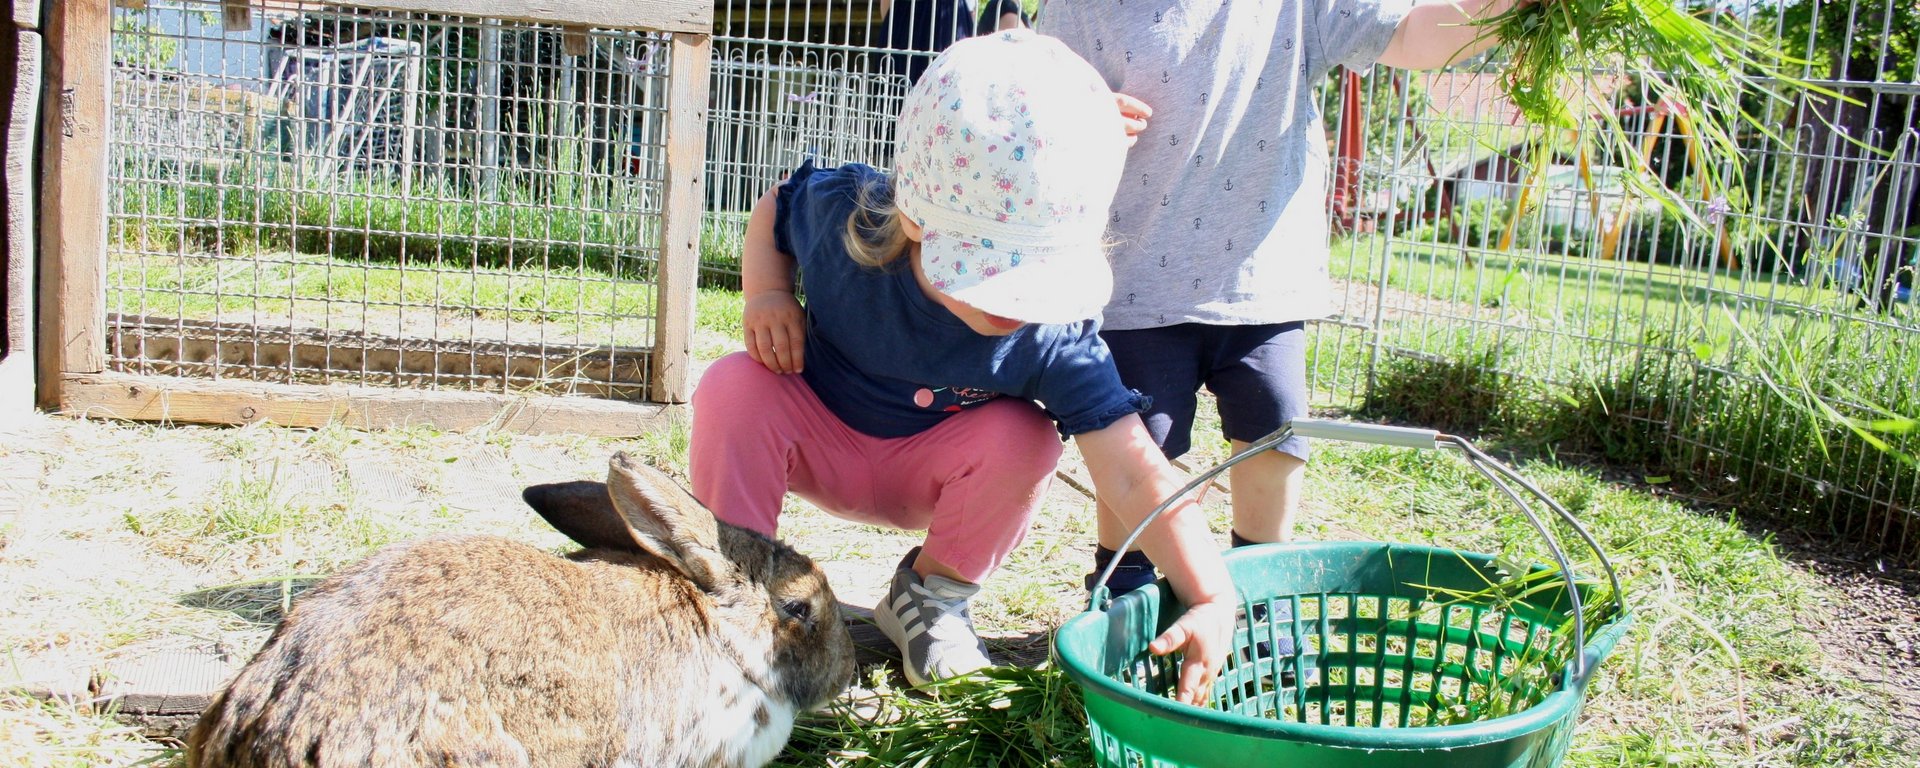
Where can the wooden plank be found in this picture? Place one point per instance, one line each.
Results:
(236, 15)
(197, 401)
(574, 42)
(686, 151)
(26, 13)
(73, 218)
(20, 48)
(237, 350)
(661, 15)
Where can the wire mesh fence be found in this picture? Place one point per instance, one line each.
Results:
(383, 197)
(820, 80)
(1509, 278)
(343, 195)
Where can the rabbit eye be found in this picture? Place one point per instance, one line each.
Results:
(798, 610)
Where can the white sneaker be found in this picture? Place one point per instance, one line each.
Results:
(928, 619)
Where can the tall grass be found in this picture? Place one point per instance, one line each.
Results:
(605, 226)
(1760, 389)
(1722, 429)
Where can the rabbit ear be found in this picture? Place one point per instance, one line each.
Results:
(584, 512)
(667, 521)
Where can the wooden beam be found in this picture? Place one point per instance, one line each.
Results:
(574, 42)
(198, 401)
(19, 48)
(168, 346)
(73, 215)
(236, 15)
(131, 5)
(26, 14)
(686, 151)
(660, 15)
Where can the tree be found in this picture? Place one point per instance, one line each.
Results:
(1860, 44)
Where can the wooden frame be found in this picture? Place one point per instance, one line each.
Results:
(20, 53)
(686, 152)
(676, 16)
(200, 401)
(72, 339)
(73, 184)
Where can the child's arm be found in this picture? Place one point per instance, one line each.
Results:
(1436, 33)
(1133, 477)
(774, 325)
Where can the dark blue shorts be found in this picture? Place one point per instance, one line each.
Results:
(1258, 373)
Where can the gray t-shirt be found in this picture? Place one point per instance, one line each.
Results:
(1221, 216)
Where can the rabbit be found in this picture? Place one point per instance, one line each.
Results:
(672, 639)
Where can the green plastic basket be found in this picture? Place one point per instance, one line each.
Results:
(1403, 656)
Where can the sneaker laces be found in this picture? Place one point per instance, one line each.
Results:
(950, 622)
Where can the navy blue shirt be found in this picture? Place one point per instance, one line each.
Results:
(891, 362)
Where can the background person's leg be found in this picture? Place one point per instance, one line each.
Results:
(1261, 382)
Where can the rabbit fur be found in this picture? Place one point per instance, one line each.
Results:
(672, 639)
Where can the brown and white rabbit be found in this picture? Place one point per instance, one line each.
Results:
(671, 640)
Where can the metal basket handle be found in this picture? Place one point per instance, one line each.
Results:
(1424, 439)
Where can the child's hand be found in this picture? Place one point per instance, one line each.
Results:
(1133, 116)
(776, 331)
(1204, 634)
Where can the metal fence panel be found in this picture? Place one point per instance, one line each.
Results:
(384, 197)
(1739, 353)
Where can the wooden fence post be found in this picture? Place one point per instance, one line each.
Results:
(20, 53)
(73, 221)
(681, 212)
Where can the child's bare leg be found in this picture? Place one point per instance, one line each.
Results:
(1266, 495)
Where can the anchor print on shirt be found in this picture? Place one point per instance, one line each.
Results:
(951, 399)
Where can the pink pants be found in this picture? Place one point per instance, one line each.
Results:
(973, 482)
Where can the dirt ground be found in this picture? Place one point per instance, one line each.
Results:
(115, 539)
(1875, 633)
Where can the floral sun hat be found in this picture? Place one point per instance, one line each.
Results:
(1009, 151)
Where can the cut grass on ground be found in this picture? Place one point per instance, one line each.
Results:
(1721, 668)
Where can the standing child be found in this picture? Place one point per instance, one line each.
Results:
(1221, 219)
(948, 333)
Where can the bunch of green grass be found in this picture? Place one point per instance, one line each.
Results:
(1013, 716)
(1536, 671)
(1700, 68)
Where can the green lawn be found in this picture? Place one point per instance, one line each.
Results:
(1725, 664)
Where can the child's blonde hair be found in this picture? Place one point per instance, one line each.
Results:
(874, 237)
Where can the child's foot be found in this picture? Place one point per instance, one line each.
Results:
(928, 619)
